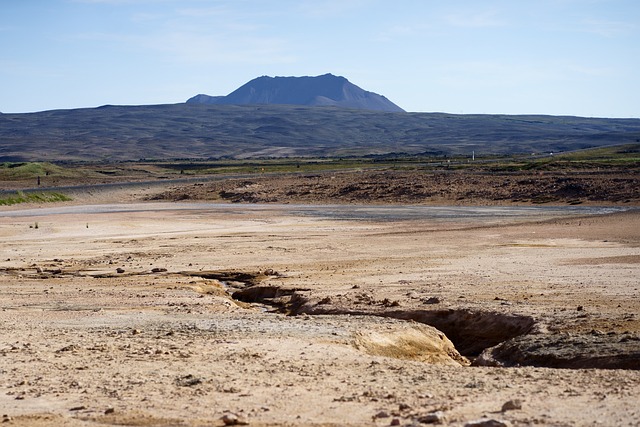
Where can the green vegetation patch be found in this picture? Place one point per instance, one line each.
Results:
(27, 170)
(619, 156)
(42, 197)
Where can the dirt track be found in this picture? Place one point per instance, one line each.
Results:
(162, 342)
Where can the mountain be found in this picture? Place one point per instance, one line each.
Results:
(195, 131)
(325, 90)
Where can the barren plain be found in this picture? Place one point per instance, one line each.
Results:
(125, 307)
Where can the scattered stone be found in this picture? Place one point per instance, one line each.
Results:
(433, 418)
(487, 423)
(233, 420)
(511, 405)
(188, 381)
(70, 347)
(382, 414)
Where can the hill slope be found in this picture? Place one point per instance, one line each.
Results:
(325, 90)
(215, 131)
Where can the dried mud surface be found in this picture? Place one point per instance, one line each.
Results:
(211, 317)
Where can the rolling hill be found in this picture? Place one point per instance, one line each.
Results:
(201, 131)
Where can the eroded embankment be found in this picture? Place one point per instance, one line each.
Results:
(488, 338)
(470, 331)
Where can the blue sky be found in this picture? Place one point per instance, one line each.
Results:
(561, 57)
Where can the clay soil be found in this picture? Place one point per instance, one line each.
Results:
(147, 313)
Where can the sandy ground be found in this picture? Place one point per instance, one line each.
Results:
(126, 318)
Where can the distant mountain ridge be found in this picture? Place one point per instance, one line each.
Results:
(324, 90)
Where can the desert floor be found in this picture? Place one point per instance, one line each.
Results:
(123, 315)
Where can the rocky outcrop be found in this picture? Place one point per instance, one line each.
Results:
(574, 351)
(411, 342)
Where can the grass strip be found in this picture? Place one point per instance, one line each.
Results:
(41, 197)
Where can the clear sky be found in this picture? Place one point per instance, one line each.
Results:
(561, 57)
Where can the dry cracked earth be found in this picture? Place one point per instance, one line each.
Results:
(186, 314)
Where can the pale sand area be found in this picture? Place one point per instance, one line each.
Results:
(83, 345)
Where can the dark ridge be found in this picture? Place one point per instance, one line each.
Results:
(197, 131)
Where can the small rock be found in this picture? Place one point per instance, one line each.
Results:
(395, 422)
(487, 423)
(580, 308)
(70, 347)
(382, 414)
(109, 411)
(511, 405)
(119, 270)
(433, 418)
(188, 381)
(233, 420)
(432, 300)
(158, 270)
